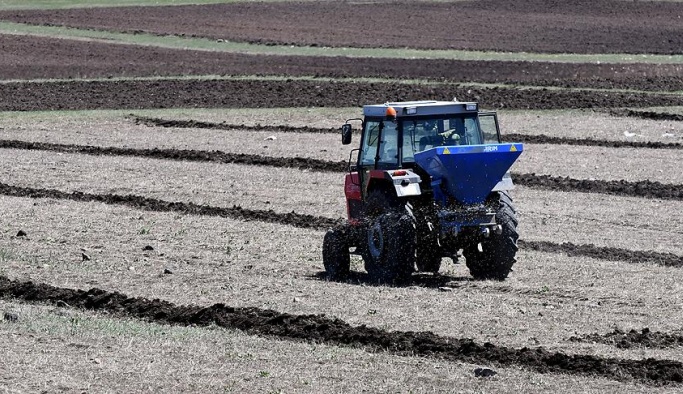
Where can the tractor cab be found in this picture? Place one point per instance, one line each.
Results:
(393, 133)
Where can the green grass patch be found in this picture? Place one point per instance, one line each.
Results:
(204, 44)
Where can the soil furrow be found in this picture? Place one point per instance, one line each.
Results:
(647, 115)
(323, 223)
(630, 339)
(183, 154)
(547, 139)
(647, 189)
(512, 137)
(152, 204)
(227, 93)
(321, 329)
(604, 253)
(198, 124)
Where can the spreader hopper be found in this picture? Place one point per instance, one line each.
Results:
(468, 173)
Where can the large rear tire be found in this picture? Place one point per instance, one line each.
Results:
(336, 256)
(493, 257)
(389, 253)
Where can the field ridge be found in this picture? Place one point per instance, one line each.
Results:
(321, 223)
(510, 137)
(645, 188)
(321, 329)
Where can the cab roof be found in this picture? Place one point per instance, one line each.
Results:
(421, 108)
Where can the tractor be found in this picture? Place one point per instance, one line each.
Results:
(430, 179)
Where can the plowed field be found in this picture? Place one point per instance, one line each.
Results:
(577, 26)
(164, 209)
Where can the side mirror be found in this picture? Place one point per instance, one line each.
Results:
(346, 134)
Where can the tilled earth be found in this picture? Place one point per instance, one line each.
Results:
(578, 26)
(27, 57)
(217, 93)
(318, 328)
(645, 188)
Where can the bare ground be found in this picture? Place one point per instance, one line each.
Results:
(263, 263)
(578, 26)
(580, 162)
(549, 298)
(81, 345)
(267, 93)
(225, 185)
(27, 58)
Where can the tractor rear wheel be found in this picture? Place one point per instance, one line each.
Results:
(389, 252)
(336, 256)
(493, 257)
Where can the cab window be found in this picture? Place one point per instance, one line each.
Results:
(386, 143)
(489, 128)
(370, 143)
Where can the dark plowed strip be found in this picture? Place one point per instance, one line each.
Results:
(321, 329)
(182, 93)
(196, 124)
(633, 338)
(546, 139)
(604, 253)
(646, 189)
(512, 137)
(152, 204)
(183, 154)
(322, 223)
(646, 114)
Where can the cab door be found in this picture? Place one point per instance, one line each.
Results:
(379, 149)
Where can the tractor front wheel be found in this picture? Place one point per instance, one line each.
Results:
(493, 257)
(389, 253)
(336, 256)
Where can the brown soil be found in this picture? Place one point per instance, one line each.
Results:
(292, 93)
(577, 26)
(604, 253)
(647, 114)
(323, 223)
(512, 137)
(633, 338)
(320, 329)
(152, 204)
(647, 189)
(28, 57)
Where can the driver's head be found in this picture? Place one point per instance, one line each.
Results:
(430, 126)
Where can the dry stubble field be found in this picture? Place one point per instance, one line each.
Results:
(200, 234)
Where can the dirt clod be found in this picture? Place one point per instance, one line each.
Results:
(11, 317)
(484, 372)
